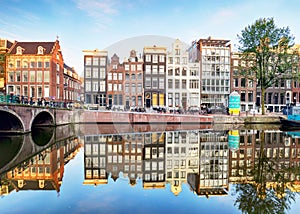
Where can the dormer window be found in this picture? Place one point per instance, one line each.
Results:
(40, 50)
(19, 50)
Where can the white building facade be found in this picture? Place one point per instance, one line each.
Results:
(183, 79)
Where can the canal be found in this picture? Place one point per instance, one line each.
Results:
(151, 169)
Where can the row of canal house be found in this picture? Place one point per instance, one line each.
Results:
(160, 78)
(202, 75)
(37, 70)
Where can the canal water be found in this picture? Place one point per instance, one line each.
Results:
(150, 169)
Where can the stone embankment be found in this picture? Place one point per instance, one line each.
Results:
(247, 119)
(111, 117)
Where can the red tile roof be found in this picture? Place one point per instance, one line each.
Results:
(32, 47)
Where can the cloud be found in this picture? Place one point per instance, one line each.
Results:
(100, 10)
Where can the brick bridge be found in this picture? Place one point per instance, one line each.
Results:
(16, 149)
(21, 118)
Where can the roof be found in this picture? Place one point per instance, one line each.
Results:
(214, 42)
(32, 47)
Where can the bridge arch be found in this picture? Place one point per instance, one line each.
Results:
(43, 118)
(10, 121)
(42, 136)
(10, 148)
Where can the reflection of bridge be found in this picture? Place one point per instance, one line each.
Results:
(21, 118)
(16, 148)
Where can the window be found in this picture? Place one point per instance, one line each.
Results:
(32, 64)
(139, 67)
(109, 87)
(19, 50)
(133, 89)
(109, 76)
(46, 91)
(102, 85)
(148, 82)
(148, 58)
(39, 91)
(154, 69)
(183, 86)
(102, 73)
(126, 67)
(32, 76)
(170, 99)
(170, 83)
(235, 82)
(88, 86)
(148, 69)
(25, 90)
(88, 61)
(127, 88)
(140, 88)
(161, 69)
(40, 50)
(95, 61)
(47, 64)
(161, 58)
(120, 76)
(18, 76)
(32, 91)
(46, 76)
(25, 76)
(40, 64)
(161, 83)
(243, 82)
(194, 84)
(18, 63)
(154, 83)
(133, 67)
(39, 76)
(95, 72)
(25, 64)
(95, 86)
(102, 61)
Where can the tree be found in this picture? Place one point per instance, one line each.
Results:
(270, 189)
(268, 51)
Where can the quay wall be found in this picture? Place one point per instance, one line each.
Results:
(258, 119)
(111, 117)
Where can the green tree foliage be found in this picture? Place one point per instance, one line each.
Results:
(267, 51)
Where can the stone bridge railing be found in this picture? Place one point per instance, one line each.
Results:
(21, 118)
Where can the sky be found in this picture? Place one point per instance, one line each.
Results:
(97, 24)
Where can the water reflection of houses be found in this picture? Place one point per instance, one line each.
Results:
(43, 171)
(280, 150)
(212, 176)
(159, 158)
(154, 160)
(182, 157)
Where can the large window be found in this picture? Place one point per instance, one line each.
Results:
(39, 76)
(32, 76)
(46, 76)
(88, 60)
